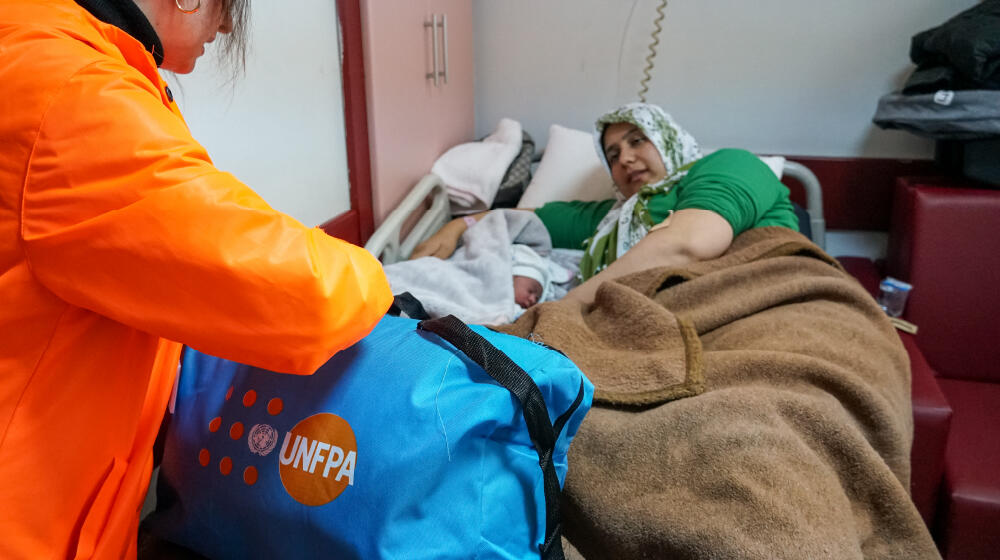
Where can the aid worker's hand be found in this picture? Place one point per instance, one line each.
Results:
(443, 243)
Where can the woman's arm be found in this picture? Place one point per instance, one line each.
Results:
(443, 243)
(124, 214)
(691, 235)
(569, 224)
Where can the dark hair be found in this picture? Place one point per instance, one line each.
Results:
(233, 47)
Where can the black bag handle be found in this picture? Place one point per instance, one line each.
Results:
(406, 303)
(508, 374)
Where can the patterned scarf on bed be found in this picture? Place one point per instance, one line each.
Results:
(629, 219)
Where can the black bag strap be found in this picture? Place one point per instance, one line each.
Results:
(406, 303)
(508, 374)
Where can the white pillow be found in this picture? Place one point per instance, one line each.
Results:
(775, 163)
(569, 170)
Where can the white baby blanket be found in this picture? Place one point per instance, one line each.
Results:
(476, 283)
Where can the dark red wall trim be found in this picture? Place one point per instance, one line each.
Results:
(355, 123)
(857, 192)
(344, 226)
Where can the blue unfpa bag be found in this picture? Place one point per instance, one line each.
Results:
(424, 440)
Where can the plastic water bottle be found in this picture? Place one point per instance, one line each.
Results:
(892, 296)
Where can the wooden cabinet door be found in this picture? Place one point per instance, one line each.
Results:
(411, 120)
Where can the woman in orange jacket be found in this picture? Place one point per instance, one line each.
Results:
(120, 241)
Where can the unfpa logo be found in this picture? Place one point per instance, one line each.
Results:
(317, 459)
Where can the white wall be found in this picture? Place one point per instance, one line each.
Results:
(281, 128)
(795, 77)
(790, 77)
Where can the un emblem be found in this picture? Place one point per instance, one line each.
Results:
(262, 439)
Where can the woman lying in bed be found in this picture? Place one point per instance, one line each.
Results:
(673, 206)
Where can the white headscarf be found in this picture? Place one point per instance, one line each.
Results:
(629, 220)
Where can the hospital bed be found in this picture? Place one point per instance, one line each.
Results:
(814, 316)
(390, 245)
(778, 418)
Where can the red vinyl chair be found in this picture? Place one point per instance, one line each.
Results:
(944, 239)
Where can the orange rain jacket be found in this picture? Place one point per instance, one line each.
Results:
(119, 240)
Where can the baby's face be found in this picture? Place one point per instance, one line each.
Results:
(527, 291)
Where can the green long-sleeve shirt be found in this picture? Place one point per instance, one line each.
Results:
(733, 183)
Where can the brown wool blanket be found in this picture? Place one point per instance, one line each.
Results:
(752, 406)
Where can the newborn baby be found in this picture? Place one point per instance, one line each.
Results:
(527, 291)
(532, 276)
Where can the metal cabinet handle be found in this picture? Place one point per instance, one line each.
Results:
(433, 24)
(444, 43)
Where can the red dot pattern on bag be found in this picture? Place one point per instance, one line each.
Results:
(317, 458)
(261, 438)
(274, 406)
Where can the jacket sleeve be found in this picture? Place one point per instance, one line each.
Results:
(124, 214)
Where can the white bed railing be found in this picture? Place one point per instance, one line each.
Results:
(814, 199)
(387, 245)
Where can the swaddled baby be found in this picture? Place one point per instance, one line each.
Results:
(475, 284)
(533, 275)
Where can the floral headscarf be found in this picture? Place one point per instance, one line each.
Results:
(629, 219)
